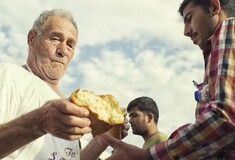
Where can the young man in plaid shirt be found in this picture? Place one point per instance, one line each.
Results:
(210, 24)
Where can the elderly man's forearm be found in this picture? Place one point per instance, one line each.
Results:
(18, 132)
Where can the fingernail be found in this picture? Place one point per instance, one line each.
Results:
(86, 113)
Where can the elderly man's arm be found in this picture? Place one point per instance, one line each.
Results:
(60, 118)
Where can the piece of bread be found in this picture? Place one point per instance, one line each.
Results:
(116, 130)
(104, 110)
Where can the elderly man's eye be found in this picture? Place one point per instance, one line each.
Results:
(55, 38)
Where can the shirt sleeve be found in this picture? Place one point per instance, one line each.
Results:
(214, 129)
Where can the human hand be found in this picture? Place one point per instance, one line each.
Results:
(125, 127)
(63, 119)
(123, 150)
(119, 131)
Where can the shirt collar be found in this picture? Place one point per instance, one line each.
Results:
(207, 50)
(208, 44)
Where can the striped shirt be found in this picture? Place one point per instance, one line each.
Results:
(212, 136)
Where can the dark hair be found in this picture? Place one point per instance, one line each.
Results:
(146, 105)
(228, 6)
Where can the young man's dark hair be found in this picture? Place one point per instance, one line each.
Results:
(145, 104)
(227, 5)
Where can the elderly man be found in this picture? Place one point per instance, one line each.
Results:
(35, 122)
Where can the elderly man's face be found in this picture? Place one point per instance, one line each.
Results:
(51, 51)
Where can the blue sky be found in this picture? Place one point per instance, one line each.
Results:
(125, 48)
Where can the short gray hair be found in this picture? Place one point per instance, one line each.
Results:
(39, 23)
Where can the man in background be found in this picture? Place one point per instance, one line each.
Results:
(144, 115)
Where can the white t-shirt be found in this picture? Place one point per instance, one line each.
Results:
(20, 93)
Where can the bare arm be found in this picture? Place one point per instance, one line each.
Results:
(60, 118)
(125, 151)
(17, 133)
(93, 149)
(97, 145)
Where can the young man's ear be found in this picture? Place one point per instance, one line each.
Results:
(150, 117)
(216, 7)
(31, 36)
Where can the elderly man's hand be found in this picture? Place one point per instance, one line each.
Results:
(63, 119)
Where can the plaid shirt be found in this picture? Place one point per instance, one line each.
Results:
(213, 134)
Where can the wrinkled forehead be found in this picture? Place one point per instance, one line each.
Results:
(61, 25)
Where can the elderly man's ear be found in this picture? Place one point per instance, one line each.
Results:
(31, 36)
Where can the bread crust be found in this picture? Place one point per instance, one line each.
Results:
(105, 112)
